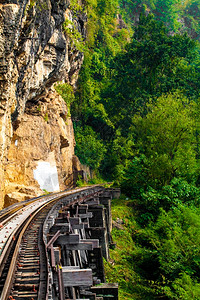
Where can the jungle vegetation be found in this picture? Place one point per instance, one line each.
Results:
(136, 120)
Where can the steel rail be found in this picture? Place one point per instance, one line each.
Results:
(9, 279)
(12, 234)
(12, 208)
(26, 204)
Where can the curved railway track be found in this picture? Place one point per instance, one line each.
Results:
(23, 254)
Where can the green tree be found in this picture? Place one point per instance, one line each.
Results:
(90, 149)
(167, 254)
(153, 63)
(167, 137)
(174, 240)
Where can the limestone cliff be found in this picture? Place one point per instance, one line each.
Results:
(35, 127)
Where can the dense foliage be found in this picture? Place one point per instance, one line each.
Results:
(136, 120)
(178, 15)
(160, 260)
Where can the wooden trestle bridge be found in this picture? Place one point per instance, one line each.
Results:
(52, 247)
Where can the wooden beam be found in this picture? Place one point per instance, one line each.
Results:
(95, 242)
(82, 277)
(87, 215)
(79, 226)
(80, 246)
(68, 239)
(63, 227)
(72, 267)
(93, 202)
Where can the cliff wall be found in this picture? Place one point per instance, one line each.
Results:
(36, 133)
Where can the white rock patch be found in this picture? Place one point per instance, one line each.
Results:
(47, 176)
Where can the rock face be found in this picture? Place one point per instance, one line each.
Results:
(35, 52)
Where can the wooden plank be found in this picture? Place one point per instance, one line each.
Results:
(82, 277)
(68, 239)
(82, 211)
(72, 267)
(84, 216)
(95, 242)
(95, 202)
(80, 246)
(79, 226)
(63, 227)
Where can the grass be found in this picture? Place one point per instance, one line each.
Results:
(120, 268)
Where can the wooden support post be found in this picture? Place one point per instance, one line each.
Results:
(79, 258)
(82, 234)
(106, 201)
(53, 261)
(57, 255)
(61, 288)
(66, 254)
(98, 219)
(75, 263)
(95, 262)
(73, 293)
(101, 234)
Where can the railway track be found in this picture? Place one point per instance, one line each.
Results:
(27, 261)
(27, 266)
